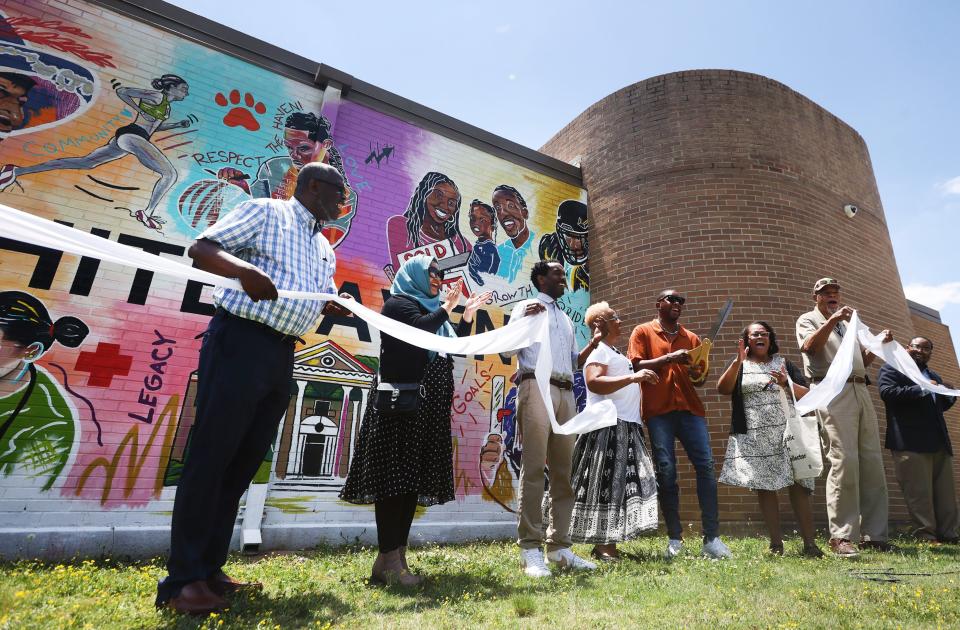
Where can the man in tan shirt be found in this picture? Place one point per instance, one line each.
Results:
(856, 488)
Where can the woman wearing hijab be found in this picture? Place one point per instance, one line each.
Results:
(405, 459)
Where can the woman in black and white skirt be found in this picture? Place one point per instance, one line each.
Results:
(613, 476)
(406, 459)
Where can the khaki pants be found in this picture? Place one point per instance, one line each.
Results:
(926, 480)
(541, 445)
(856, 489)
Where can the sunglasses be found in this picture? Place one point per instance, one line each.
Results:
(675, 299)
(435, 272)
(340, 189)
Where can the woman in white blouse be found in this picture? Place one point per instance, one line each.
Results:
(613, 477)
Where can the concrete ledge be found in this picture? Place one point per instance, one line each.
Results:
(64, 543)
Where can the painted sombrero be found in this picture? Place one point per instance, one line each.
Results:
(61, 89)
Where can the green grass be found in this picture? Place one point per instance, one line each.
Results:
(480, 586)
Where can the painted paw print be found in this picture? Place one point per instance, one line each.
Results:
(241, 116)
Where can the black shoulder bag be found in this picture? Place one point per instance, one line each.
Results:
(394, 399)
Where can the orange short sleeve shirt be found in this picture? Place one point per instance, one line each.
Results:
(675, 391)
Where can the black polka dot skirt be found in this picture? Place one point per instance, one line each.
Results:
(410, 453)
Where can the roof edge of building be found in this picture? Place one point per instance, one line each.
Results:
(184, 23)
(924, 311)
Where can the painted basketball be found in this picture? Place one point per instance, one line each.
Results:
(202, 202)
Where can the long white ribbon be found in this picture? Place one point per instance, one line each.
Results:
(29, 228)
(823, 393)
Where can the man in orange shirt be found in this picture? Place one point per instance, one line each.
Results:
(672, 410)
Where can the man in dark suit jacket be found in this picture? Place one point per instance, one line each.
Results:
(918, 440)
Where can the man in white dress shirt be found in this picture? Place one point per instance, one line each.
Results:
(540, 444)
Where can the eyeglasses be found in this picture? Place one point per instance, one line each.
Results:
(674, 299)
(921, 347)
(435, 272)
(340, 188)
(759, 335)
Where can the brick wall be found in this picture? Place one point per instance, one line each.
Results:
(724, 184)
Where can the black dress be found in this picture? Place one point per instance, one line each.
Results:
(410, 453)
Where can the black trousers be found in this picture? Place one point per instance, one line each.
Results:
(394, 516)
(243, 389)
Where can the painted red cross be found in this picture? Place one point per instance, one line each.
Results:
(104, 364)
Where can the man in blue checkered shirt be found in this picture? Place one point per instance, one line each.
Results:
(245, 371)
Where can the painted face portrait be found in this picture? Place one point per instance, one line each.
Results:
(302, 149)
(441, 203)
(13, 96)
(511, 214)
(481, 222)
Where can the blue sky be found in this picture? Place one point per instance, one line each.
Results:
(523, 69)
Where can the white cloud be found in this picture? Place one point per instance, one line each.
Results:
(936, 296)
(951, 186)
(503, 28)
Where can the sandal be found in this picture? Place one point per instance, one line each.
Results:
(605, 556)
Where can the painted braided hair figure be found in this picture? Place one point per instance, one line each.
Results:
(37, 421)
(153, 109)
(429, 225)
(307, 138)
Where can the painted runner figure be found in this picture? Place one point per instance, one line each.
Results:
(673, 411)
(245, 371)
(154, 110)
(856, 485)
(919, 442)
(540, 444)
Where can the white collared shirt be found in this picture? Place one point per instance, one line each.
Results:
(561, 339)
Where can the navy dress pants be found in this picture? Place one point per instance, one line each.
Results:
(243, 389)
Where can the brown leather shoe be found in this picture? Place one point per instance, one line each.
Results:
(843, 548)
(222, 584)
(196, 598)
(878, 545)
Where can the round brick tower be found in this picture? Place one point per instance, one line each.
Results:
(726, 184)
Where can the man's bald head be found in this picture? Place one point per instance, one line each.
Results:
(318, 171)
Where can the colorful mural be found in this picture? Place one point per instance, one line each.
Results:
(148, 147)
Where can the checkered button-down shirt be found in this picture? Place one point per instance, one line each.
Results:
(283, 239)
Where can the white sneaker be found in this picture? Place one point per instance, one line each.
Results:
(532, 562)
(716, 549)
(674, 548)
(564, 558)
